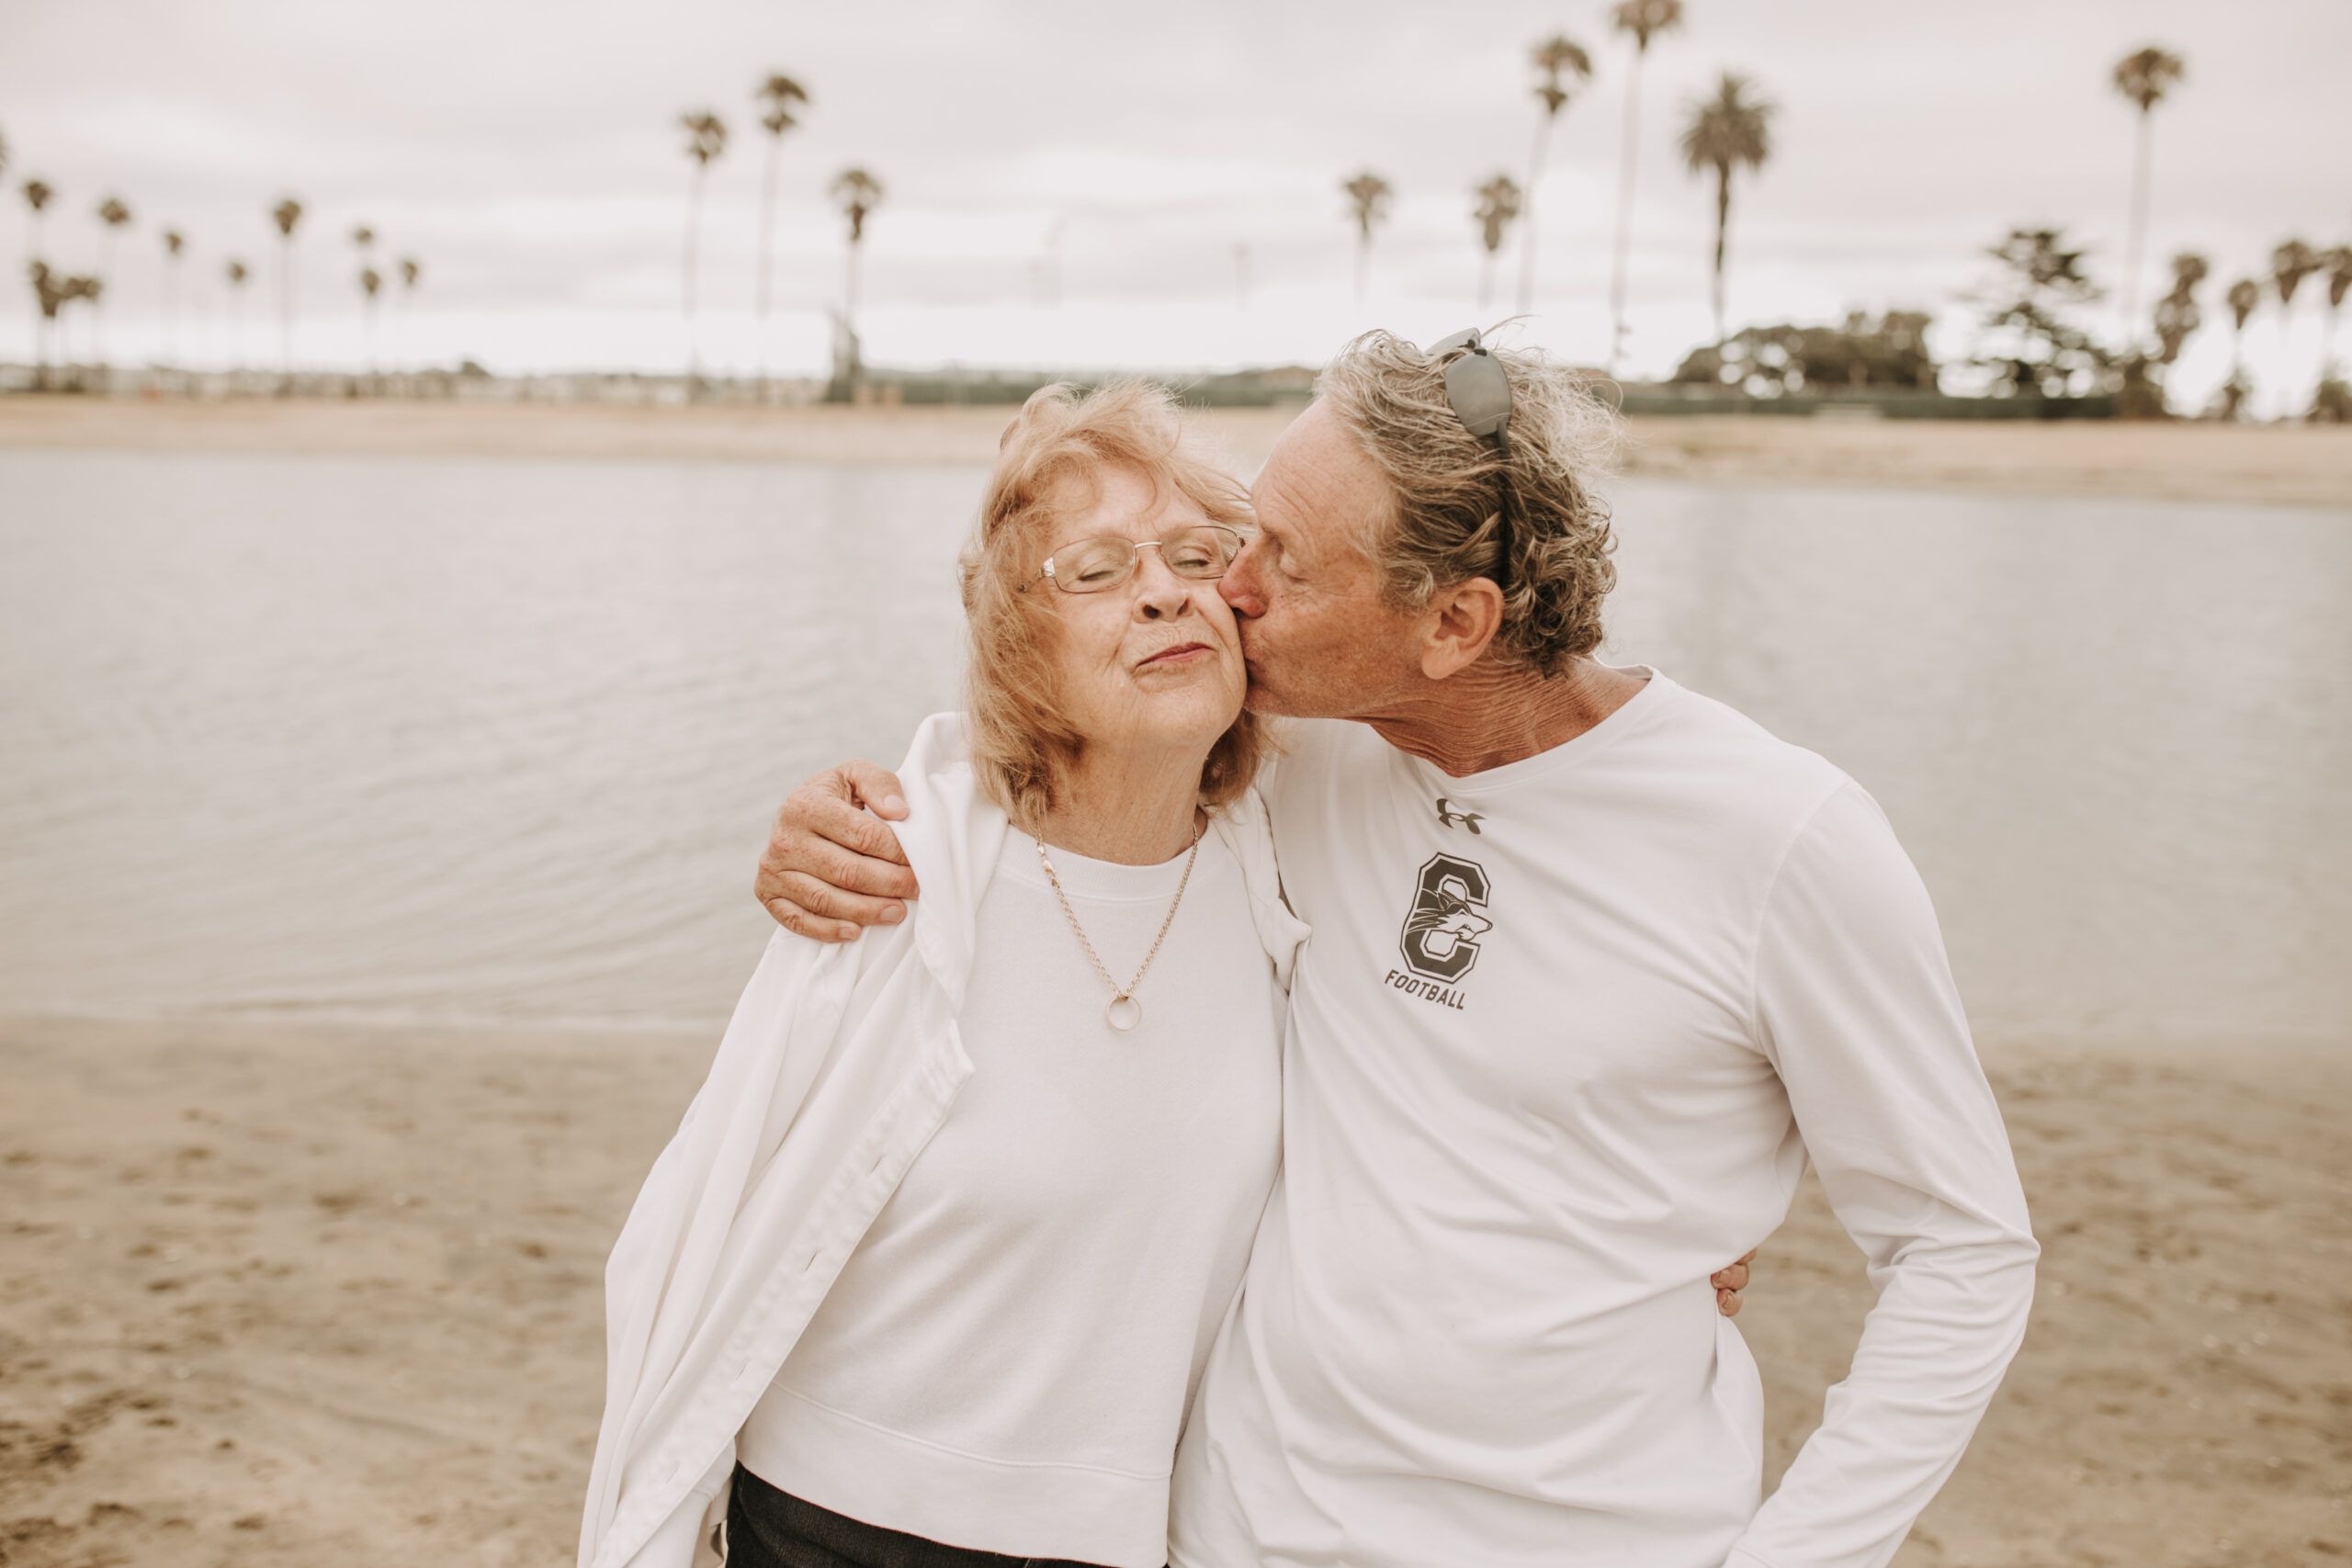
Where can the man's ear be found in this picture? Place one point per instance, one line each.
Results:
(1458, 625)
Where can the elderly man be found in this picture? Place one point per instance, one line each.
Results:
(1598, 963)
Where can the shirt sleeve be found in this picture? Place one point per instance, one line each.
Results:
(1856, 1006)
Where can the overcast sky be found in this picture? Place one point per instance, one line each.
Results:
(1147, 158)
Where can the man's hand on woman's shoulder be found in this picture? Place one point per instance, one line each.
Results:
(832, 865)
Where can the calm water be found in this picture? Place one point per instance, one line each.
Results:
(499, 739)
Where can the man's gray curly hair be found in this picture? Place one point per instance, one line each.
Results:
(1446, 485)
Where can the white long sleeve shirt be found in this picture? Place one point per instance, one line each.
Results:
(1565, 1035)
(741, 1230)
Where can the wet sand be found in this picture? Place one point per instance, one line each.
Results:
(2269, 464)
(280, 1294)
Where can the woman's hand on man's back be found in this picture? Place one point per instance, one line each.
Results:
(832, 865)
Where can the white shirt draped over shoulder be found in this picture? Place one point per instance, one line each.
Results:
(838, 1065)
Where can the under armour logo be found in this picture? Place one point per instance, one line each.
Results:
(1447, 815)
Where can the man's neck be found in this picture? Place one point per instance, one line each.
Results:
(1492, 714)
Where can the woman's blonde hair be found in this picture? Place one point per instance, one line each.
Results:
(1022, 744)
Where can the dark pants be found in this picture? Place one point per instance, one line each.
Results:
(771, 1529)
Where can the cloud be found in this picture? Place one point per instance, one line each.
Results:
(531, 154)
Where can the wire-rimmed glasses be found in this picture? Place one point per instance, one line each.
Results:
(1201, 552)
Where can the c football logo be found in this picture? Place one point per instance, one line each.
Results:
(1440, 940)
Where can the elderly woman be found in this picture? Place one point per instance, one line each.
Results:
(930, 1271)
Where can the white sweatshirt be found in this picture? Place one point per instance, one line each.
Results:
(740, 1231)
(1565, 1035)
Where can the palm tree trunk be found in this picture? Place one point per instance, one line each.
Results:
(1364, 270)
(1624, 212)
(286, 310)
(97, 306)
(1723, 226)
(1486, 282)
(694, 225)
(767, 251)
(1527, 217)
(2133, 252)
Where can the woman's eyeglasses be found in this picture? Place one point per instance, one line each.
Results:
(1200, 551)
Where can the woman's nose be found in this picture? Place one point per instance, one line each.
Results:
(1160, 595)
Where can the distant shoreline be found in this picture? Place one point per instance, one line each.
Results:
(2260, 464)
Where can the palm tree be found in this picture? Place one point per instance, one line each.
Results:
(857, 194)
(706, 139)
(411, 270)
(371, 283)
(363, 239)
(116, 216)
(1498, 202)
(780, 94)
(1368, 198)
(47, 298)
(236, 271)
(285, 215)
(56, 292)
(1645, 20)
(2176, 314)
(2290, 263)
(2245, 294)
(1725, 132)
(37, 196)
(53, 291)
(2143, 76)
(1556, 57)
(175, 245)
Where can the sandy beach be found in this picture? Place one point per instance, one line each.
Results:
(2285, 465)
(274, 1294)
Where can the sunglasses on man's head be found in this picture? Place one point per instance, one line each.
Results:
(1480, 394)
(1475, 385)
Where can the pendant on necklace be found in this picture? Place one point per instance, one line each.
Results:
(1124, 1013)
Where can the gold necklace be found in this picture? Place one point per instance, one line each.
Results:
(1124, 1012)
